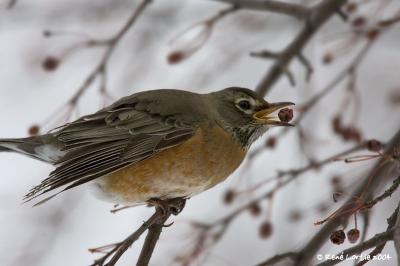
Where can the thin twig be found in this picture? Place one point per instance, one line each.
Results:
(149, 244)
(396, 237)
(278, 258)
(377, 240)
(367, 188)
(216, 230)
(319, 14)
(112, 43)
(119, 248)
(100, 70)
(290, 9)
(154, 225)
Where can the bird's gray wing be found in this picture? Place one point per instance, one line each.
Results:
(124, 133)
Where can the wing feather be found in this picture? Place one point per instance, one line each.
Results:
(101, 143)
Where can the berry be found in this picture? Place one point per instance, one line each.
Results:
(338, 237)
(327, 58)
(229, 196)
(350, 8)
(50, 63)
(358, 22)
(265, 229)
(353, 235)
(175, 57)
(285, 115)
(255, 209)
(271, 142)
(33, 130)
(374, 145)
(295, 216)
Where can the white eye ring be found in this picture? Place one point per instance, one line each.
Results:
(245, 105)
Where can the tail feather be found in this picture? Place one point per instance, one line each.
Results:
(39, 148)
(4, 149)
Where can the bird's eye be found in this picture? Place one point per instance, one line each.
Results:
(244, 105)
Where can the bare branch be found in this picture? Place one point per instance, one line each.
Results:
(290, 9)
(163, 210)
(377, 240)
(278, 258)
(11, 4)
(396, 236)
(378, 249)
(100, 70)
(366, 189)
(318, 15)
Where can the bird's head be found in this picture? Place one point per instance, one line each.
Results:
(245, 114)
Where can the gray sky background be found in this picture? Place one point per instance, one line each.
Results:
(60, 231)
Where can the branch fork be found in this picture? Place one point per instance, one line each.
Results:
(154, 225)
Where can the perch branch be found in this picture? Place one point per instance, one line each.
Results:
(154, 225)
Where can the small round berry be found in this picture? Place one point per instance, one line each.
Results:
(353, 235)
(229, 196)
(175, 57)
(295, 216)
(271, 142)
(374, 145)
(336, 180)
(350, 8)
(372, 34)
(327, 58)
(255, 209)
(285, 115)
(338, 237)
(50, 63)
(359, 22)
(265, 229)
(33, 130)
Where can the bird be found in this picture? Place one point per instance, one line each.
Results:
(156, 144)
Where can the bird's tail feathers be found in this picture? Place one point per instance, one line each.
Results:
(35, 147)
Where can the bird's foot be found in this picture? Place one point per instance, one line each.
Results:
(169, 206)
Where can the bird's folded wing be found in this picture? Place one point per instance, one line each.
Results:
(108, 140)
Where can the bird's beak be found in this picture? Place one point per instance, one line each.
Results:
(263, 116)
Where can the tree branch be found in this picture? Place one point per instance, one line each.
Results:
(318, 15)
(290, 9)
(396, 236)
(377, 240)
(364, 191)
(100, 70)
(163, 210)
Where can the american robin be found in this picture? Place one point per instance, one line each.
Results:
(159, 144)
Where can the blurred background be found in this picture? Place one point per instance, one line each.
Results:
(43, 64)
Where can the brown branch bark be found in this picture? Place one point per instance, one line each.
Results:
(154, 225)
(377, 240)
(290, 9)
(378, 249)
(396, 237)
(365, 191)
(110, 43)
(151, 240)
(318, 15)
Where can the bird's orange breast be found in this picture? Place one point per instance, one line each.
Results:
(201, 162)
